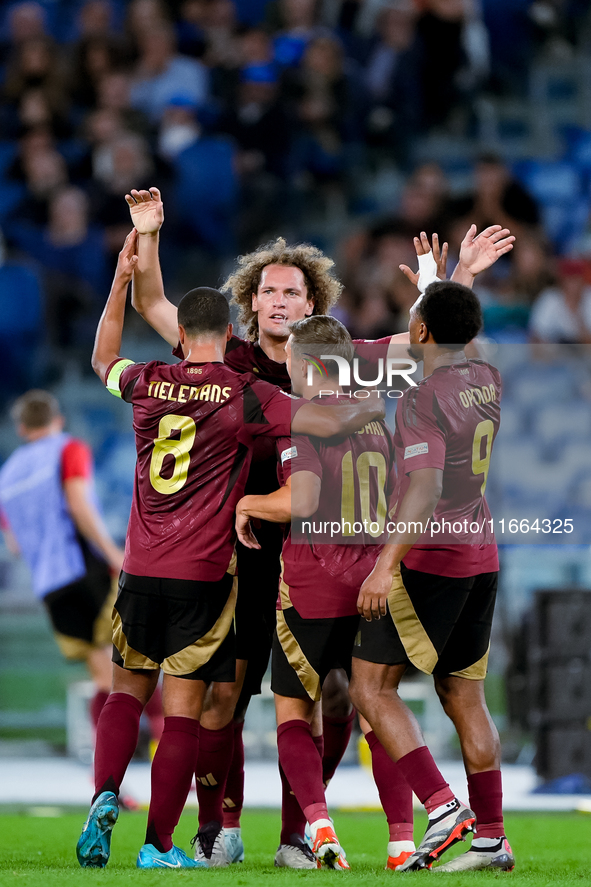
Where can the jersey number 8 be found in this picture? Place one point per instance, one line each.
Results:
(178, 448)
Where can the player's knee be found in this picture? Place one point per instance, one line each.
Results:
(224, 697)
(336, 702)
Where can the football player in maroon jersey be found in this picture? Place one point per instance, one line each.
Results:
(432, 604)
(195, 423)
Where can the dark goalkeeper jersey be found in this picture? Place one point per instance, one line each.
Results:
(195, 424)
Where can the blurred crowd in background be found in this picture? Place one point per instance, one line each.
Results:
(354, 124)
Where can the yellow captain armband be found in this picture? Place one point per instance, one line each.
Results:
(112, 380)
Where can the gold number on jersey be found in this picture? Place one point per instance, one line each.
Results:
(364, 462)
(179, 449)
(481, 465)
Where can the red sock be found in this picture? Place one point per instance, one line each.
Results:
(155, 715)
(211, 773)
(96, 706)
(234, 798)
(301, 763)
(395, 792)
(293, 818)
(422, 774)
(172, 772)
(337, 733)
(486, 800)
(116, 740)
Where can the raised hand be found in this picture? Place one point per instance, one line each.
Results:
(479, 251)
(146, 209)
(127, 259)
(422, 248)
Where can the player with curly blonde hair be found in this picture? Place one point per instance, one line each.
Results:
(323, 288)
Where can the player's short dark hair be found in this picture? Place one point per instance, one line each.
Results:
(451, 312)
(321, 334)
(203, 311)
(35, 409)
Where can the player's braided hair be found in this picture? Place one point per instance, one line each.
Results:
(317, 269)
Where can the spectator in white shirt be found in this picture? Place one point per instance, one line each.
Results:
(562, 313)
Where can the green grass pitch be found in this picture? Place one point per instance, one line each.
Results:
(551, 849)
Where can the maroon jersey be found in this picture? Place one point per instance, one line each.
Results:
(449, 421)
(244, 356)
(194, 424)
(248, 357)
(323, 569)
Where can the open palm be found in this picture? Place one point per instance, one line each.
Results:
(146, 209)
(479, 252)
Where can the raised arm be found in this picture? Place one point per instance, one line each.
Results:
(479, 251)
(107, 342)
(147, 297)
(341, 420)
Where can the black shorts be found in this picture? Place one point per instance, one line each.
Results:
(305, 650)
(258, 587)
(81, 612)
(184, 627)
(440, 624)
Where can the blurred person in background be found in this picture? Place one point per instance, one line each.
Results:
(393, 79)
(509, 291)
(452, 60)
(50, 516)
(95, 19)
(21, 324)
(119, 162)
(497, 198)
(45, 173)
(325, 97)
(73, 256)
(562, 313)
(161, 74)
(94, 58)
(261, 127)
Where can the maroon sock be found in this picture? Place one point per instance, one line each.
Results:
(96, 706)
(337, 733)
(422, 774)
(234, 795)
(155, 714)
(293, 818)
(116, 740)
(395, 792)
(211, 773)
(486, 800)
(172, 772)
(293, 821)
(301, 762)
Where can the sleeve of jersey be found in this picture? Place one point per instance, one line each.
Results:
(76, 461)
(423, 437)
(268, 411)
(122, 376)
